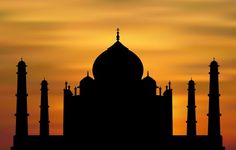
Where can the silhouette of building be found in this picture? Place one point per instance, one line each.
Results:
(118, 109)
(44, 116)
(21, 105)
(191, 118)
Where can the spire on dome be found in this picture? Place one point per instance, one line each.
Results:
(118, 34)
(214, 63)
(117, 62)
(87, 73)
(169, 83)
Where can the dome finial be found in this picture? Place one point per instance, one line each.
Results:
(213, 58)
(88, 73)
(117, 34)
(148, 73)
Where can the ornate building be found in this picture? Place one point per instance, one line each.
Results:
(118, 109)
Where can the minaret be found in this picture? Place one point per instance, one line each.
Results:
(191, 118)
(214, 106)
(21, 103)
(167, 113)
(66, 111)
(44, 116)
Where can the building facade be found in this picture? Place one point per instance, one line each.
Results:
(118, 109)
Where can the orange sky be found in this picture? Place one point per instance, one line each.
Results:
(60, 39)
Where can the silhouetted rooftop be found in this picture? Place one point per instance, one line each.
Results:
(86, 80)
(149, 79)
(191, 82)
(214, 63)
(118, 62)
(44, 82)
(21, 63)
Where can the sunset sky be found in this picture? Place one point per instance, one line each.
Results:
(60, 39)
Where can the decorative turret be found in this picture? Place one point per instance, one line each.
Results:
(167, 105)
(191, 117)
(21, 108)
(214, 106)
(149, 86)
(67, 96)
(44, 116)
(86, 85)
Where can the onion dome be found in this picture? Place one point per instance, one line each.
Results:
(118, 63)
(149, 80)
(86, 81)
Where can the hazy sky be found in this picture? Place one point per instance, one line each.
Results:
(60, 39)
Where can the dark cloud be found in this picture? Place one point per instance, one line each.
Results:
(121, 2)
(229, 63)
(24, 49)
(4, 14)
(195, 68)
(213, 30)
(161, 52)
(180, 87)
(231, 15)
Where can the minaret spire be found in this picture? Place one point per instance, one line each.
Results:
(191, 117)
(214, 106)
(44, 116)
(118, 34)
(21, 103)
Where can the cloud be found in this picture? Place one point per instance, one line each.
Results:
(222, 31)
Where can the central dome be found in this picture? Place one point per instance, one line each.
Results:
(118, 63)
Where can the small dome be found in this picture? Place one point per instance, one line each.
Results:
(118, 63)
(21, 63)
(149, 79)
(191, 82)
(44, 82)
(214, 63)
(86, 81)
(149, 86)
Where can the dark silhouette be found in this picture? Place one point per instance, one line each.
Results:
(44, 116)
(191, 122)
(118, 109)
(21, 106)
(214, 106)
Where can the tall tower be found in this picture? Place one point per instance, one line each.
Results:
(167, 112)
(21, 106)
(214, 106)
(44, 116)
(67, 119)
(191, 118)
